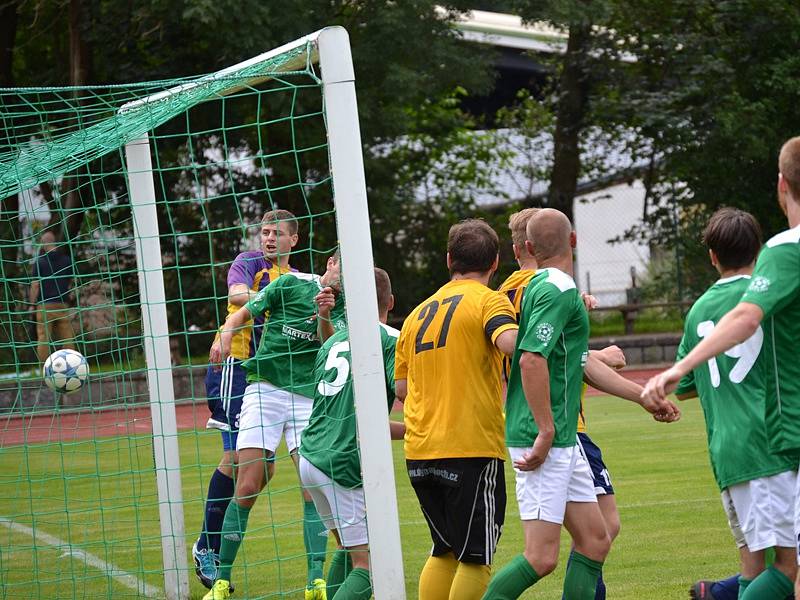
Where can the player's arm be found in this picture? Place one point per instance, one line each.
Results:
(507, 341)
(34, 293)
(325, 302)
(233, 323)
(601, 376)
(397, 430)
(240, 294)
(612, 355)
(734, 328)
(401, 389)
(535, 376)
(500, 322)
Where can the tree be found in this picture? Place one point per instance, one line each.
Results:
(116, 42)
(712, 90)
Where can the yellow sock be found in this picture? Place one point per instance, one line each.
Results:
(437, 577)
(470, 581)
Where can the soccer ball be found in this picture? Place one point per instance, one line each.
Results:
(65, 371)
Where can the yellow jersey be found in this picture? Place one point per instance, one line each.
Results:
(446, 352)
(514, 288)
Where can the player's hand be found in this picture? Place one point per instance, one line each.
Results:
(589, 301)
(534, 458)
(664, 411)
(662, 384)
(325, 301)
(668, 415)
(215, 356)
(613, 356)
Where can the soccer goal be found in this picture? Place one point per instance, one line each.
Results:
(148, 192)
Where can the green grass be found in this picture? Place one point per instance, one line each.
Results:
(673, 528)
(649, 320)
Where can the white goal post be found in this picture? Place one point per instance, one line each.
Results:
(331, 48)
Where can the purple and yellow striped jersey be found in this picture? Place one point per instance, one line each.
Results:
(255, 271)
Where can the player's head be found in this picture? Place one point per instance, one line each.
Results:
(789, 175)
(550, 235)
(518, 224)
(383, 288)
(48, 241)
(472, 247)
(332, 276)
(733, 238)
(278, 234)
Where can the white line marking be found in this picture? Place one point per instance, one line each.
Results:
(123, 577)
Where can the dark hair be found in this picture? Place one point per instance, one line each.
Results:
(473, 246)
(281, 216)
(735, 237)
(383, 287)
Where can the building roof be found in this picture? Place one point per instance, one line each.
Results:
(508, 31)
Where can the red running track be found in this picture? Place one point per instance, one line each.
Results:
(82, 425)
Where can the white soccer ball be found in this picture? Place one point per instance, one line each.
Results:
(65, 371)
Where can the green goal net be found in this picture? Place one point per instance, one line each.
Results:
(146, 193)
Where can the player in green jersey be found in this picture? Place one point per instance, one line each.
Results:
(772, 298)
(277, 403)
(757, 486)
(330, 467)
(554, 480)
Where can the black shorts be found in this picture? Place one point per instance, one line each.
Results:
(602, 480)
(464, 502)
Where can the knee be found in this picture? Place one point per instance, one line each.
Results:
(613, 527)
(247, 488)
(542, 564)
(600, 546)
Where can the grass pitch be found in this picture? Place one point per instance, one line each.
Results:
(100, 496)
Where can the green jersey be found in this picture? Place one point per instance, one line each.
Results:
(775, 287)
(731, 387)
(554, 323)
(289, 342)
(330, 440)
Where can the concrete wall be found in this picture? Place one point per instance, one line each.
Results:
(103, 390)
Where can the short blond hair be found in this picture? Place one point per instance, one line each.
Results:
(789, 165)
(518, 224)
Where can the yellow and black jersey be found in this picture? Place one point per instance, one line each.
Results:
(446, 352)
(514, 288)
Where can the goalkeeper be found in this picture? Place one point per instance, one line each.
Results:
(276, 403)
(329, 461)
(226, 381)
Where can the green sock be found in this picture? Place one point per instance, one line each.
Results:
(340, 566)
(743, 585)
(357, 586)
(231, 536)
(315, 537)
(513, 579)
(770, 583)
(580, 582)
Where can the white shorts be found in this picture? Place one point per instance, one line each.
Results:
(268, 413)
(339, 508)
(797, 517)
(565, 476)
(759, 511)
